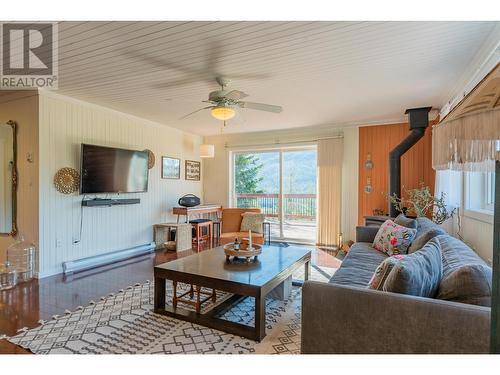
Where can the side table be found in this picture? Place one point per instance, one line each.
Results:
(163, 233)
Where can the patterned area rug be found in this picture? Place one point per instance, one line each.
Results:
(124, 323)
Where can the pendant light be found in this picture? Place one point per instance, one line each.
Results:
(207, 151)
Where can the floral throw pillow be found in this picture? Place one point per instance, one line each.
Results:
(383, 270)
(393, 239)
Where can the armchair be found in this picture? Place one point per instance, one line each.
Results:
(231, 223)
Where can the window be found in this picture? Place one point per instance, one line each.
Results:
(480, 192)
(282, 183)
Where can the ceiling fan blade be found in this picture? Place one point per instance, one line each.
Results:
(160, 63)
(261, 107)
(192, 113)
(249, 76)
(213, 54)
(175, 83)
(235, 95)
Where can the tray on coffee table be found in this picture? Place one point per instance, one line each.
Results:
(247, 253)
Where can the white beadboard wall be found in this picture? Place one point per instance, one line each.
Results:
(65, 123)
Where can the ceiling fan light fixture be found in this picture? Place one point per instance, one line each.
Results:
(223, 113)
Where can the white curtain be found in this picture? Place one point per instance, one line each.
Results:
(329, 190)
(449, 182)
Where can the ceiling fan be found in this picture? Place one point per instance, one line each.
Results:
(224, 103)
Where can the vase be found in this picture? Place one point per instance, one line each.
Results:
(21, 257)
(8, 276)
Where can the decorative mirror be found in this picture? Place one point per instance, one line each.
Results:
(8, 178)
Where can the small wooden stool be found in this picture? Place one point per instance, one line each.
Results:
(198, 226)
(196, 303)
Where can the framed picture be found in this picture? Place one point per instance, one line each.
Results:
(170, 168)
(193, 170)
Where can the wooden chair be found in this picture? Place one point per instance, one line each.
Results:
(203, 232)
(198, 301)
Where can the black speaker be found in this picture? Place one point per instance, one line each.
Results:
(189, 200)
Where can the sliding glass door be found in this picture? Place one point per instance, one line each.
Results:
(282, 183)
(299, 195)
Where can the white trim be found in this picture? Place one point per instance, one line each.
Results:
(484, 216)
(320, 131)
(305, 145)
(484, 61)
(480, 215)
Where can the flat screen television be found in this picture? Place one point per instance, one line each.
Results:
(113, 170)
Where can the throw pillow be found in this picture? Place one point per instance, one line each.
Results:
(252, 221)
(423, 238)
(393, 239)
(418, 274)
(382, 271)
(467, 284)
(401, 219)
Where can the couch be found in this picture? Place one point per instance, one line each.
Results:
(231, 222)
(344, 316)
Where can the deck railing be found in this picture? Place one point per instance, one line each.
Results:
(296, 206)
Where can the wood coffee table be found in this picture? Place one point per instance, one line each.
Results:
(209, 269)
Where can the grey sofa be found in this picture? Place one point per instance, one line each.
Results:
(344, 316)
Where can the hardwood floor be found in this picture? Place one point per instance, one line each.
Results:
(37, 300)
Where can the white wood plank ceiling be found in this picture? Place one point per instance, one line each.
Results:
(320, 72)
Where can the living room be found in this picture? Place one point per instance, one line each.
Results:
(235, 185)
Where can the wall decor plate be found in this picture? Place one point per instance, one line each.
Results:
(369, 162)
(151, 158)
(170, 168)
(193, 170)
(67, 180)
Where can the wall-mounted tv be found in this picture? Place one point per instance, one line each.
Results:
(113, 170)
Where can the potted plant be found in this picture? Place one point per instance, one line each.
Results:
(420, 202)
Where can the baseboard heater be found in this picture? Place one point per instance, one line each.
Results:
(84, 264)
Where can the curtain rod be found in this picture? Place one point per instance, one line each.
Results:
(278, 142)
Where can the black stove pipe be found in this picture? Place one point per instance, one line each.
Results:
(418, 119)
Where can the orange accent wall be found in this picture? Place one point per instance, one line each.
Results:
(416, 164)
